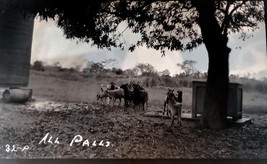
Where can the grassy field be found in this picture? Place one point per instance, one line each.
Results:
(73, 87)
(66, 87)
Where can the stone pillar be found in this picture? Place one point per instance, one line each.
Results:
(15, 48)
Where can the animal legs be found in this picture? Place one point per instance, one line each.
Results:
(164, 107)
(172, 120)
(114, 101)
(120, 101)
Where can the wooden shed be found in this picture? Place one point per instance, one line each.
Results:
(235, 99)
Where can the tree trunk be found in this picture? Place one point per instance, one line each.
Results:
(214, 115)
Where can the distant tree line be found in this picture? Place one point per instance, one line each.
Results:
(141, 69)
(147, 75)
(188, 71)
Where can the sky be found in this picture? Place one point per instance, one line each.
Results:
(50, 46)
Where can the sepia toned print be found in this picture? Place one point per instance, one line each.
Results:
(133, 80)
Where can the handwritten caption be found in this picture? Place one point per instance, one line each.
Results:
(77, 139)
(48, 139)
(16, 148)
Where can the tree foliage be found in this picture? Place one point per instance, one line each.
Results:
(187, 66)
(94, 68)
(38, 66)
(165, 72)
(144, 69)
(162, 24)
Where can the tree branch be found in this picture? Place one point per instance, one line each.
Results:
(225, 22)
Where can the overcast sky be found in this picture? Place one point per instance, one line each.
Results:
(49, 45)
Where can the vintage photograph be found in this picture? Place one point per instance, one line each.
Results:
(123, 79)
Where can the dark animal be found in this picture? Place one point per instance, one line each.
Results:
(128, 95)
(180, 96)
(112, 86)
(165, 107)
(140, 96)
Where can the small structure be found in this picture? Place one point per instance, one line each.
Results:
(17, 95)
(235, 95)
(16, 31)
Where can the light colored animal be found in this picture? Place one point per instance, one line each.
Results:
(175, 107)
(115, 94)
(166, 102)
(101, 97)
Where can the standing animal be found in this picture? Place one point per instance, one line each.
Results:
(175, 107)
(115, 94)
(128, 95)
(180, 96)
(165, 107)
(102, 95)
(140, 96)
(112, 86)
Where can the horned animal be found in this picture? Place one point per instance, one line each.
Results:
(115, 94)
(128, 95)
(140, 96)
(175, 107)
(165, 107)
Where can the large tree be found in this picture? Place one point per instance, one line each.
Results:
(174, 25)
(187, 67)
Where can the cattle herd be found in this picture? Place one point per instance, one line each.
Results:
(135, 95)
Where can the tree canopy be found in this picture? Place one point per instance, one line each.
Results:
(187, 66)
(162, 24)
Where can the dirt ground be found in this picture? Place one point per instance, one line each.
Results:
(124, 134)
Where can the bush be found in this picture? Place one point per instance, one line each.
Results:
(147, 82)
(87, 75)
(170, 82)
(38, 66)
(185, 83)
(119, 72)
(259, 86)
(153, 82)
(72, 70)
(100, 77)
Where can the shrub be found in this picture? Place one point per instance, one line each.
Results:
(38, 66)
(101, 76)
(185, 83)
(153, 82)
(119, 72)
(146, 82)
(72, 70)
(260, 87)
(59, 68)
(170, 82)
